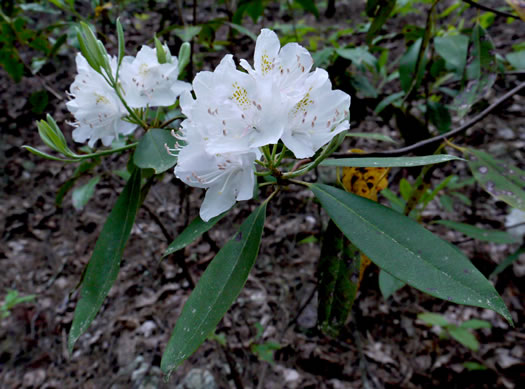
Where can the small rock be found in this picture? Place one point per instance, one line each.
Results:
(34, 379)
(198, 379)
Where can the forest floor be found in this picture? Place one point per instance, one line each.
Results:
(44, 249)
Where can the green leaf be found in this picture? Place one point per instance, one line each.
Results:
(517, 59)
(103, 267)
(447, 203)
(32, 150)
(479, 233)
(475, 324)
(151, 151)
(38, 101)
(472, 93)
(433, 319)
(390, 161)
(217, 289)
(409, 252)
(83, 194)
(121, 42)
(366, 135)
(186, 34)
(380, 17)
(388, 285)
(243, 30)
(507, 262)
(363, 85)
(161, 53)
(338, 280)
(265, 351)
(195, 229)
(82, 168)
(184, 56)
(388, 100)
(309, 5)
(439, 116)
(407, 66)
(358, 55)
(465, 337)
(500, 179)
(471, 366)
(454, 50)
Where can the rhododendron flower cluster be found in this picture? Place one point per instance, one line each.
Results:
(235, 113)
(143, 82)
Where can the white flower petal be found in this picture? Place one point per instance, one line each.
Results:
(266, 50)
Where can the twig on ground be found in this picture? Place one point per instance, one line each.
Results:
(439, 138)
(494, 11)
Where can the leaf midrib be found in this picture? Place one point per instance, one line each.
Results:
(395, 241)
(199, 326)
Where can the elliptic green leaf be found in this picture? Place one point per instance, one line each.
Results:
(388, 285)
(464, 336)
(103, 267)
(309, 6)
(517, 59)
(453, 49)
(151, 151)
(475, 324)
(380, 17)
(195, 229)
(373, 136)
(409, 252)
(390, 161)
(479, 233)
(407, 66)
(500, 179)
(82, 194)
(507, 262)
(433, 319)
(215, 292)
(358, 55)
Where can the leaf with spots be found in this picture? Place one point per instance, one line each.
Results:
(215, 292)
(408, 251)
(500, 179)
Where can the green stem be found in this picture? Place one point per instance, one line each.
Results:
(132, 113)
(266, 151)
(281, 156)
(325, 153)
(105, 152)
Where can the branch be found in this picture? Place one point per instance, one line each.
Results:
(439, 138)
(494, 11)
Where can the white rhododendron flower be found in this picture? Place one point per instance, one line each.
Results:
(230, 112)
(226, 176)
(234, 113)
(97, 109)
(320, 115)
(146, 82)
(315, 113)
